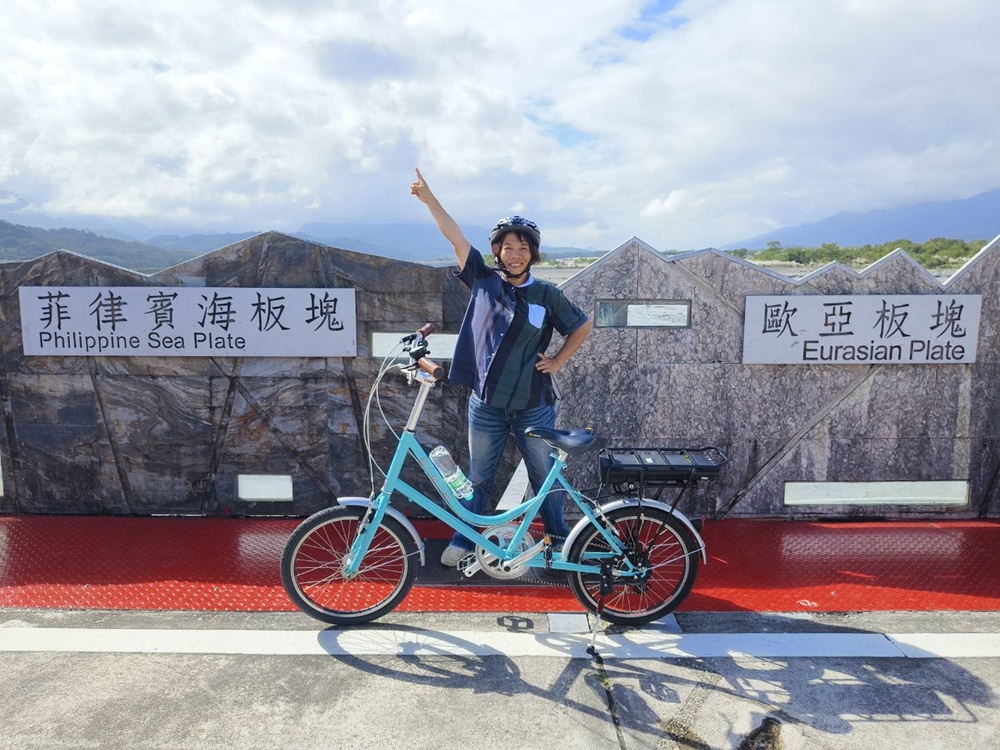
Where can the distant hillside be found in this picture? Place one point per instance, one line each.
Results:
(19, 242)
(198, 243)
(418, 243)
(975, 218)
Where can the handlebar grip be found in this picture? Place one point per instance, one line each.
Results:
(426, 330)
(431, 367)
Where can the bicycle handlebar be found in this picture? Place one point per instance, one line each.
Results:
(431, 367)
(425, 363)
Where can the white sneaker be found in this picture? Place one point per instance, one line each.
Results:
(453, 554)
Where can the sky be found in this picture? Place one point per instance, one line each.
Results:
(685, 124)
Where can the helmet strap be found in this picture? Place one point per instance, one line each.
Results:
(507, 274)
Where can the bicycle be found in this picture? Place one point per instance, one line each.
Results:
(631, 560)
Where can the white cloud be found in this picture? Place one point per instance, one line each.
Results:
(688, 125)
(677, 201)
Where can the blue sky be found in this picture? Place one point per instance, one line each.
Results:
(687, 124)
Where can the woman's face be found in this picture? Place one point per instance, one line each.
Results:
(515, 253)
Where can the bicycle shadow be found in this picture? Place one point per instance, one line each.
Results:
(682, 699)
(445, 660)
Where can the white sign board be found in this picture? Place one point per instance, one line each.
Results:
(149, 321)
(439, 345)
(864, 329)
(949, 492)
(658, 316)
(620, 313)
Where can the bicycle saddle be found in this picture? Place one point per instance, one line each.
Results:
(572, 441)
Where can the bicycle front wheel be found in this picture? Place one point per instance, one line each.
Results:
(312, 567)
(653, 539)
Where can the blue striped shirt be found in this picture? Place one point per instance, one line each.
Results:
(504, 330)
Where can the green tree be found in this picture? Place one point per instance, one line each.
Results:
(939, 252)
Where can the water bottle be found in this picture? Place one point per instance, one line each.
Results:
(453, 475)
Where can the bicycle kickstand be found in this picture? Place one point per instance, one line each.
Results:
(607, 586)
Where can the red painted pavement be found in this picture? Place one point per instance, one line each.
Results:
(228, 564)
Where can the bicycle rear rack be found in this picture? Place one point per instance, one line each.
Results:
(630, 471)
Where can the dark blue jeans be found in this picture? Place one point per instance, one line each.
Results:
(488, 429)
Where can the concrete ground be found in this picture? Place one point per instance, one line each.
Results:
(192, 680)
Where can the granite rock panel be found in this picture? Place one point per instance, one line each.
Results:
(984, 401)
(920, 460)
(899, 274)
(980, 276)
(893, 403)
(613, 277)
(593, 395)
(733, 279)
(984, 487)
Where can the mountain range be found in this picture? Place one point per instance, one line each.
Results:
(140, 248)
(975, 218)
(418, 243)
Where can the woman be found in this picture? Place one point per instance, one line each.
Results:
(501, 356)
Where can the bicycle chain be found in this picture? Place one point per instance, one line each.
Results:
(541, 580)
(538, 580)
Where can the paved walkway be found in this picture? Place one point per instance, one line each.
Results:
(125, 633)
(707, 681)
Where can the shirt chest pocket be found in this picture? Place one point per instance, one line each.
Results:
(536, 315)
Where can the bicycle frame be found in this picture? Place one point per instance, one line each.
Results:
(463, 520)
(630, 560)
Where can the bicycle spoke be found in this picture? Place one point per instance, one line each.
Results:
(313, 567)
(654, 573)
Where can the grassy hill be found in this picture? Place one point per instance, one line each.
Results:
(19, 242)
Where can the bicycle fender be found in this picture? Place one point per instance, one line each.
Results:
(584, 522)
(363, 502)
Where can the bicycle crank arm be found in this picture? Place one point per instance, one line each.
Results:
(518, 561)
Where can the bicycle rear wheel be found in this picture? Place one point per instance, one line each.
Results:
(654, 539)
(313, 561)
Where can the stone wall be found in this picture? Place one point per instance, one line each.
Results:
(145, 435)
(779, 423)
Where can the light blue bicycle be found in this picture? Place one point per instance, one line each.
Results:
(631, 560)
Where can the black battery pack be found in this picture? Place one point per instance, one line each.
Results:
(652, 466)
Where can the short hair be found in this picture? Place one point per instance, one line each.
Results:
(536, 256)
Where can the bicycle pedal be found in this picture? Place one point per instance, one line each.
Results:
(469, 566)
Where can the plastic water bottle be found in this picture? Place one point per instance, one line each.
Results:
(453, 475)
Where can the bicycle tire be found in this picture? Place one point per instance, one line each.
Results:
(313, 557)
(651, 534)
